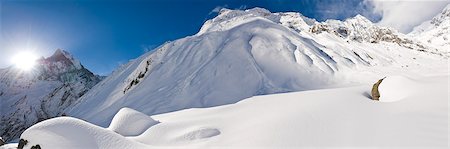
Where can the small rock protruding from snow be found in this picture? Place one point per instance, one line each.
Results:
(129, 122)
(375, 92)
(395, 88)
(36, 147)
(22, 143)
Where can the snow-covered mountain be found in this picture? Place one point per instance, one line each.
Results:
(435, 32)
(42, 93)
(243, 53)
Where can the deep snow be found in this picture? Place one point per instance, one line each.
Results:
(240, 54)
(342, 117)
(128, 122)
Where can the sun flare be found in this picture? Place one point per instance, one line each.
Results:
(24, 60)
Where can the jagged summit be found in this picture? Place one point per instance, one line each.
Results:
(359, 19)
(64, 57)
(54, 84)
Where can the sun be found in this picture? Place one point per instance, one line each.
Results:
(25, 60)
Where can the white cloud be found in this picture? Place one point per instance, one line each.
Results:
(217, 9)
(242, 7)
(404, 15)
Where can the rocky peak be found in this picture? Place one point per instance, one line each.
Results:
(44, 92)
(359, 19)
(296, 21)
(64, 57)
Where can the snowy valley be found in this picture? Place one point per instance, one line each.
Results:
(250, 79)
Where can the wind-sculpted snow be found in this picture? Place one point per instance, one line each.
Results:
(396, 88)
(71, 133)
(240, 54)
(128, 122)
(341, 117)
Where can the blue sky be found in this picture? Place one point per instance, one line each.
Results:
(104, 34)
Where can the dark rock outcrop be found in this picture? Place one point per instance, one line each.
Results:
(2, 142)
(22, 143)
(36, 147)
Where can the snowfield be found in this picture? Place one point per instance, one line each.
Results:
(257, 79)
(342, 117)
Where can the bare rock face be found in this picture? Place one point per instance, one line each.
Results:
(22, 143)
(2, 142)
(375, 93)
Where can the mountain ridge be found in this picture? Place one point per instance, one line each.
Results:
(435, 32)
(243, 53)
(28, 97)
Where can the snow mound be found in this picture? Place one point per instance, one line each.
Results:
(129, 122)
(68, 133)
(395, 88)
(9, 146)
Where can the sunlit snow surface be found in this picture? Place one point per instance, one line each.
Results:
(342, 117)
(240, 54)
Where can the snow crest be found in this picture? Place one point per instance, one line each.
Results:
(128, 122)
(395, 88)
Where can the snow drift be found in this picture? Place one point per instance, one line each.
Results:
(71, 133)
(396, 88)
(128, 122)
(342, 117)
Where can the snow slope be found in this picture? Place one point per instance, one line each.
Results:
(44, 92)
(435, 32)
(341, 117)
(240, 54)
